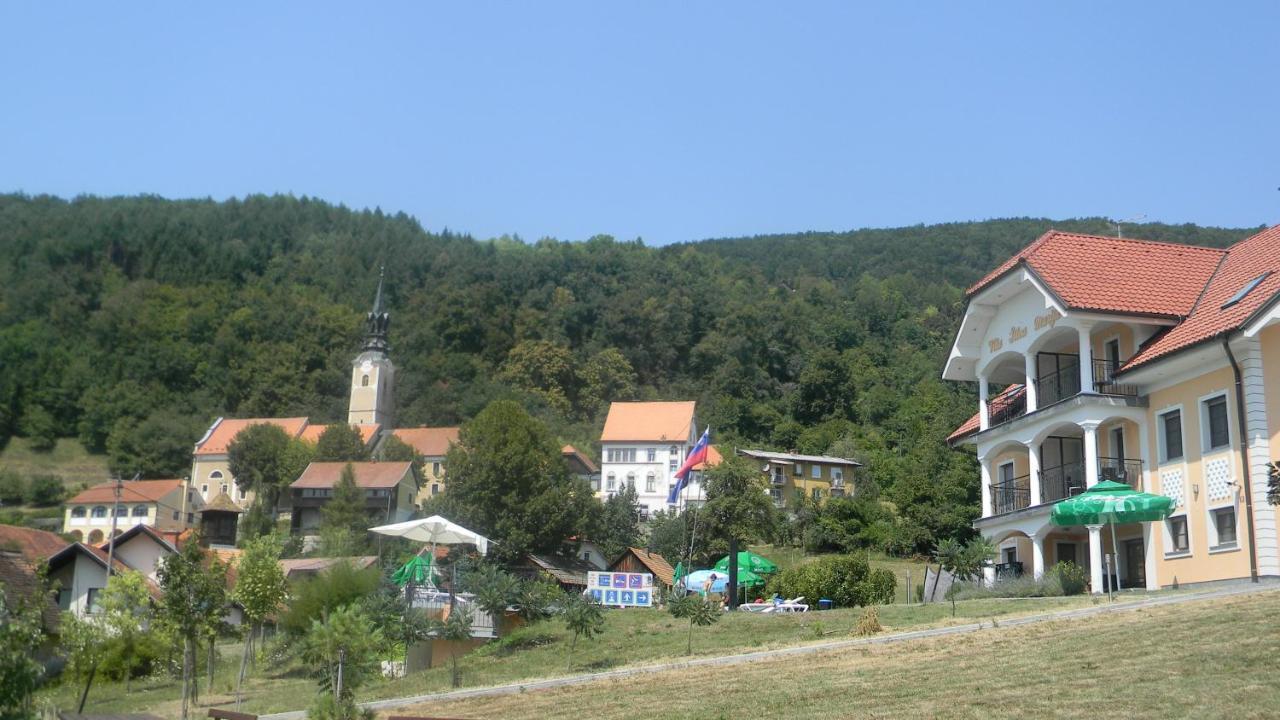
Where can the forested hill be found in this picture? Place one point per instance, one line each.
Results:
(131, 323)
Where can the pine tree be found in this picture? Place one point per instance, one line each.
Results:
(344, 520)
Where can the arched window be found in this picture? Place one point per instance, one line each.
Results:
(364, 381)
(610, 483)
(99, 511)
(95, 537)
(650, 483)
(77, 511)
(139, 510)
(122, 511)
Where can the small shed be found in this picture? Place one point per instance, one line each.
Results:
(638, 560)
(569, 573)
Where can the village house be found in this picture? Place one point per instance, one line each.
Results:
(432, 443)
(1146, 363)
(643, 444)
(580, 466)
(639, 560)
(389, 490)
(817, 477)
(161, 504)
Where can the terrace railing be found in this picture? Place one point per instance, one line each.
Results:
(1011, 495)
(1007, 407)
(1062, 481)
(1104, 379)
(1058, 385)
(1121, 470)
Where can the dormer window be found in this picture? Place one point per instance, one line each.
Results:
(1248, 288)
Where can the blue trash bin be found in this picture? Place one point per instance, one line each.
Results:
(824, 604)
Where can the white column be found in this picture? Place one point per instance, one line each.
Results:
(984, 413)
(1037, 555)
(1255, 433)
(1033, 466)
(1086, 360)
(1090, 453)
(1032, 402)
(1095, 558)
(986, 487)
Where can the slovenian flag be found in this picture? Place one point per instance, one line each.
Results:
(697, 455)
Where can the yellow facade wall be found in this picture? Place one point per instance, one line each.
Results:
(1099, 336)
(1200, 565)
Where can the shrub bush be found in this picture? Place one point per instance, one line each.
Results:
(45, 490)
(12, 488)
(1070, 576)
(339, 586)
(846, 580)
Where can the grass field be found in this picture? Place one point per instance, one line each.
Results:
(632, 637)
(68, 460)
(1206, 659)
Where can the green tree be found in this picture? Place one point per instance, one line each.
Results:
(582, 617)
(964, 562)
(696, 609)
(344, 519)
(126, 615)
(84, 642)
(13, 491)
(21, 634)
(157, 446)
(619, 523)
(543, 368)
(40, 427)
(495, 590)
(194, 598)
(264, 460)
(509, 480)
(342, 584)
(260, 590)
(45, 490)
(393, 449)
(606, 377)
(341, 442)
(343, 650)
(738, 508)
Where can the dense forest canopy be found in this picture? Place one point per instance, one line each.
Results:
(130, 323)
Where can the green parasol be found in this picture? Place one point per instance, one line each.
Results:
(417, 571)
(1110, 503)
(748, 560)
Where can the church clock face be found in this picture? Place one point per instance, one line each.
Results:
(366, 366)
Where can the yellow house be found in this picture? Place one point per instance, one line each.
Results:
(1152, 364)
(432, 443)
(811, 476)
(160, 504)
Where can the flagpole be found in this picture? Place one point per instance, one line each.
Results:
(693, 532)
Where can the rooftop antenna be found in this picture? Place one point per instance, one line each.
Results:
(1118, 223)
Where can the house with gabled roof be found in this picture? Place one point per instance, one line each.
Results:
(1152, 364)
(389, 490)
(433, 444)
(162, 504)
(643, 444)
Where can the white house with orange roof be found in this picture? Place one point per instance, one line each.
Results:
(210, 462)
(160, 504)
(1152, 364)
(643, 444)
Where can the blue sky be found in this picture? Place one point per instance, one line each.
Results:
(667, 121)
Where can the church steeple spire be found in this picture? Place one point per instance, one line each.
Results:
(377, 321)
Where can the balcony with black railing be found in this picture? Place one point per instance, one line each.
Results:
(1104, 379)
(1121, 470)
(1007, 406)
(1060, 384)
(1061, 481)
(1010, 495)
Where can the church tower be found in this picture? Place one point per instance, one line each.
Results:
(372, 374)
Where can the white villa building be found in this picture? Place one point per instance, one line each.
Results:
(1151, 364)
(643, 444)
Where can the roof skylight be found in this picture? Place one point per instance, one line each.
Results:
(1248, 287)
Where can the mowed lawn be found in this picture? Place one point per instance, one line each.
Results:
(631, 637)
(1202, 659)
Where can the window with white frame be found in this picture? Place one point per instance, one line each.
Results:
(621, 455)
(652, 454)
(435, 469)
(837, 475)
(99, 511)
(1170, 436)
(139, 510)
(815, 472)
(1215, 429)
(77, 511)
(674, 461)
(611, 483)
(1223, 527)
(1178, 541)
(817, 494)
(797, 470)
(650, 482)
(631, 479)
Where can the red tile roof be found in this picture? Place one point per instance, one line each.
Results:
(226, 430)
(34, 545)
(1243, 262)
(573, 454)
(1091, 272)
(648, 421)
(971, 425)
(131, 491)
(430, 441)
(367, 474)
(312, 433)
(714, 458)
